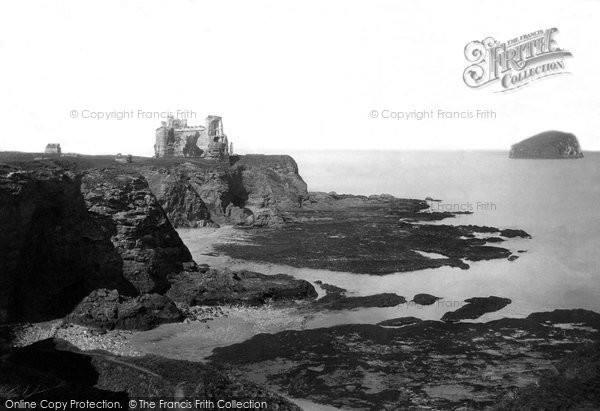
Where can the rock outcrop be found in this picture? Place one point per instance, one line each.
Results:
(369, 235)
(183, 205)
(476, 307)
(271, 185)
(254, 190)
(71, 226)
(68, 229)
(427, 364)
(149, 247)
(237, 287)
(399, 322)
(425, 299)
(549, 144)
(107, 310)
(54, 252)
(341, 302)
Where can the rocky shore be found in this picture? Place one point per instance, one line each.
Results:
(92, 262)
(419, 364)
(370, 235)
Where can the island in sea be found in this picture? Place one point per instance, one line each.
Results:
(92, 259)
(548, 145)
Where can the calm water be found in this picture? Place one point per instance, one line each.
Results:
(554, 200)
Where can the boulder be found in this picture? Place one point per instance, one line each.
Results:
(107, 310)
(425, 299)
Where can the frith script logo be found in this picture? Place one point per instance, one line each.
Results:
(514, 63)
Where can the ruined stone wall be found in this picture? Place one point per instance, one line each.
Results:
(175, 139)
(185, 144)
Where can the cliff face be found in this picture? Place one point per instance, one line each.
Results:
(53, 251)
(66, 232)
(70, 227)
(271, 185)
(255, 189)
(549, 144)
(137, 225)
(178, 197)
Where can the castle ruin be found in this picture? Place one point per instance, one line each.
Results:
(52, 148)
(174, 138)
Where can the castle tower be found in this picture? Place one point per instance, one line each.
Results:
(214, 127)
(161, 146)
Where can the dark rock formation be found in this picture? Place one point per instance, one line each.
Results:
(68, 229)
(271, 185)
(186, 189)
(108, 310)
(254, 190)
(369, 235)
(340, 302)
(149, 247)
(178, 197)
(399, 322)
(240, 287)
(54, 370)
(512, 233)
(425, 299)
(428, 364)
(476, 307)
(573, 385)
(549, 144)
(567, 316)
(54, 252)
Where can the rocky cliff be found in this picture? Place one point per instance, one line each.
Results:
(253, 189)
(139, 229)
(549, 144)
(68, 230)
(52, 249)
(271, 185)
(72, 226)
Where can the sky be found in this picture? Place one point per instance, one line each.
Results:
(284, 75)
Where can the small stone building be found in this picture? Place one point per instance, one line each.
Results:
(52, 148)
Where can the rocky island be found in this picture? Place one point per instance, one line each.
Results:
(547, 145)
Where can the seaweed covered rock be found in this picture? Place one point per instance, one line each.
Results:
(476, 307)
(236, 287)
